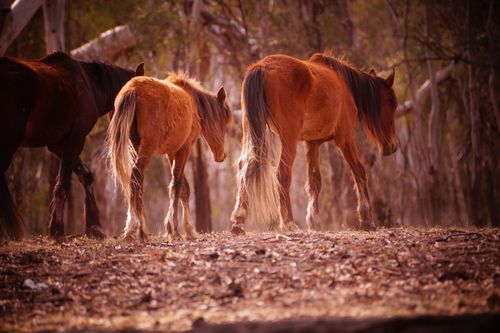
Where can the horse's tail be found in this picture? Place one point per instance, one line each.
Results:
(257, 176)
(121, 152)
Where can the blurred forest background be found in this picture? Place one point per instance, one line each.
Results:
(446, 56)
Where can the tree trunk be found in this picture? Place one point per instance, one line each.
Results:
(14, 22)
(203, 206)
(53, 16)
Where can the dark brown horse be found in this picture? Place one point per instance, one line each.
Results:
(163, 117)
(317, 100)
(54, 102)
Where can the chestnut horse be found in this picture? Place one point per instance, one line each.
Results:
(54, 102)
(162, 117)
(316, 100)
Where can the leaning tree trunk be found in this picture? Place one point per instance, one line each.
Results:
(16, 19)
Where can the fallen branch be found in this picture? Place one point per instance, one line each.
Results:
(423, 91)
(107, 46)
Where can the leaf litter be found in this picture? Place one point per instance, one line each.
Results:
(218, 278)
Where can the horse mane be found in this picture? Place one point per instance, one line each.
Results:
(365, 90)
(106, 78)
(209, 109)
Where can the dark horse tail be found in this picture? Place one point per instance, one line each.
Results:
(121, 152)
(257, 176)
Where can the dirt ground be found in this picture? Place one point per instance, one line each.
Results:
(87, 284)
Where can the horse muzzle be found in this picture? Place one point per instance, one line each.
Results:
(389, 149)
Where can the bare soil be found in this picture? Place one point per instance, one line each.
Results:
(173, 286)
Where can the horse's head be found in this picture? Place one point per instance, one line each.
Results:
(215, 135)
(385, 137)
(388, 105)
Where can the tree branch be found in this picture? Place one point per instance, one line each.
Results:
(423, 91)
(107, 46)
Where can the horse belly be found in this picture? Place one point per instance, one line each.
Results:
(320, 120)
(48, 124)
(168, 126)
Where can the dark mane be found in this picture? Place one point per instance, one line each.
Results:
(106, 80)
(209, 109)
(365, 90)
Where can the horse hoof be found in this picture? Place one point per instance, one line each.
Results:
(95, 232)
(191, 236)
(128, 237)
(290, 226)
(237, 229)
(143, 237)
(314, 227)
(368, 226)
(173, 236)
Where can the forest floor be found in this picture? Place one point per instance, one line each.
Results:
(161, 285)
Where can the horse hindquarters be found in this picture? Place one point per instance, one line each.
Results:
(257, 183)
(123, 156)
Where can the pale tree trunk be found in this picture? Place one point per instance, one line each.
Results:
(199, 64)
(415, 141)
(434, 134)
(14, 22)
(107, 46)
(53, 16)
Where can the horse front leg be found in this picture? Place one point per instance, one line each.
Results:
(313, 185)
(350, 154)
(288, 152)
(93, 226)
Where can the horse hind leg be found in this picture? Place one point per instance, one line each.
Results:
(288, 152)
(93, 226)
(67, 165)
(350, 154)
(313, 185)
(239, 214)
(135, 214)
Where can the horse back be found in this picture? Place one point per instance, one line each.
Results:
(306, 97)
(57, 104)
(330, 109)
(166, 116)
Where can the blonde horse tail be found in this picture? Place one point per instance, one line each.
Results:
(257, 176)
(121, 152)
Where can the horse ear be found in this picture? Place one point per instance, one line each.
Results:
(372, 72)
(139, 71)
(390, 78)
(221, 94)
